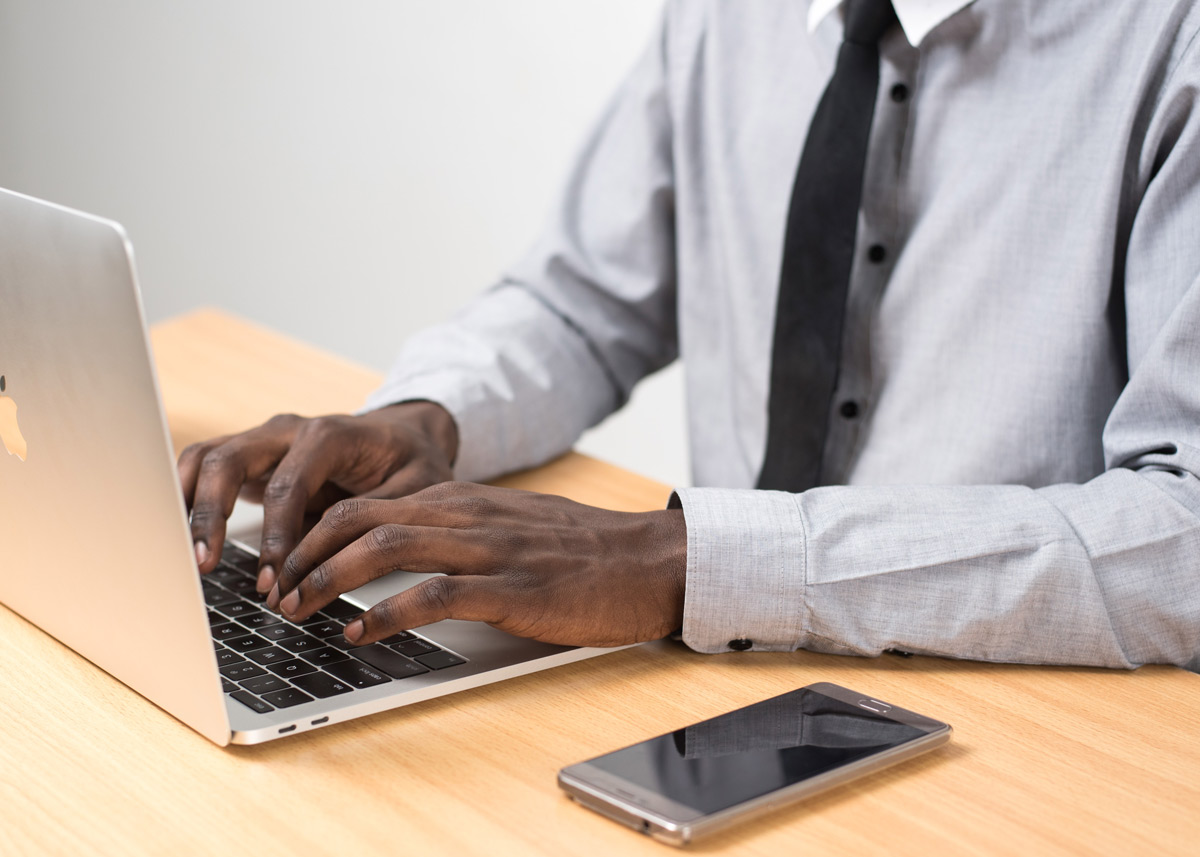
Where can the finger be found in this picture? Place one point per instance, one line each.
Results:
(189, 466)
(342, 524)
(222, 472)
(381, 550)
(471, 598)
(301, 475)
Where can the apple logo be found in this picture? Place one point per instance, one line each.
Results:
(10, 432)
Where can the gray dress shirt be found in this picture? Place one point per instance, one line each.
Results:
(1017, 477)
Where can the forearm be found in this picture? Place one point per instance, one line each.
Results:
(520, 385)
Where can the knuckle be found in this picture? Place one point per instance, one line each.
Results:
(272, 543)
(283, 421)
(444, 490)
(204, 514)
(193, 450)
(385, 540)
(218, 460)
(437, 595)
(321, 579)
(290, 572)
(344, 513)
(320, 428)
(473, 509)
(384, 615)
(279, 489)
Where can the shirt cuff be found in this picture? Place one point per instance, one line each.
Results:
(746, 570)
(478, 448)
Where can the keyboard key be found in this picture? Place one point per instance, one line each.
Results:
(280, 632)
(224, 575)
(440, 660)
(252, 594)
(292, 668)
(226, 657)
(320, 685)
(264, 684)
(300, 644)
(357, 674)
(259, 620)
(239, 559)
(402, 637)
(247, 644)
(341, 610)
(412, 648)
(242, 671)
(214, 596)
(324, 628)
(227, 685)
(315, 618)
(383, 658)
(272, 655)
(341, 642)
(324, 655)
(226, 631)
(287, 698)
(215, 618)
(251, 701)
(238, 609)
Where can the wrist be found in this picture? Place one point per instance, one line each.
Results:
(669, 534)
(433, 421)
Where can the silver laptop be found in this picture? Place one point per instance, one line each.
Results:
(95, 546)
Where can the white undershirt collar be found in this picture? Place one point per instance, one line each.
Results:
(917, 17)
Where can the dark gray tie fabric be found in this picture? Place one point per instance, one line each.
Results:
(818, 253)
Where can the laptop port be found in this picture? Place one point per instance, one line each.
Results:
(320, 720)
(287, 729)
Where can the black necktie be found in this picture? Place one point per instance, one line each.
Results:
(818, 251)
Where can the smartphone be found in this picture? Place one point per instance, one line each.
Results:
(705, 777)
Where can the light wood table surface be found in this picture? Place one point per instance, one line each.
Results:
(1044, 761)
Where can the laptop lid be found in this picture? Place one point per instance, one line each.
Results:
(94, 543)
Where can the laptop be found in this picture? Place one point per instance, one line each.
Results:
(95, 546)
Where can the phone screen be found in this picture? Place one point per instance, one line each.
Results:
(755, 750)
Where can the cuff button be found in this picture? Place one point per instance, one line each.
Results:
(741, 645)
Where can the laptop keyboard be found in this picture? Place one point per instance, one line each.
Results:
(267, 662)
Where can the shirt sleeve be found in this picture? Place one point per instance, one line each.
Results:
(559, 343)
(1105, 573)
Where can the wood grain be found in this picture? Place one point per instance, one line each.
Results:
(1044, 761)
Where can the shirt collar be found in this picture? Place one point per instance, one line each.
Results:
(917, 17)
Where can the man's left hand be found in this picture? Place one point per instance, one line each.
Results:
(533, 565)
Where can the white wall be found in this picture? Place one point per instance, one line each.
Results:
(347, 172)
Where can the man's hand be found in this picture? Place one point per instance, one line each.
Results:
(298, 467)
(533, 565)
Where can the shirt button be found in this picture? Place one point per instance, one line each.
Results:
(741, 645)
(877, 253)
(899, 93)
(849, 410)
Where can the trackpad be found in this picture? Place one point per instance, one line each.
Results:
(370, 594)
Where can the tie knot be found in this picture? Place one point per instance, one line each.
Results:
(868, 20)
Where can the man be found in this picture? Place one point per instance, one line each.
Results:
(1007, 440)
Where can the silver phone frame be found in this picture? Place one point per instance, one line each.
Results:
(673, 823)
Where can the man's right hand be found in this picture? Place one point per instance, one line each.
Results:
(298, 466)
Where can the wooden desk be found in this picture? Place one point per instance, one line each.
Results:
(1044, 761)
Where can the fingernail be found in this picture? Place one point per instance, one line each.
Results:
(201, 553)
(273, 597)
(289, 604)
(353, 631)
(266, 579)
